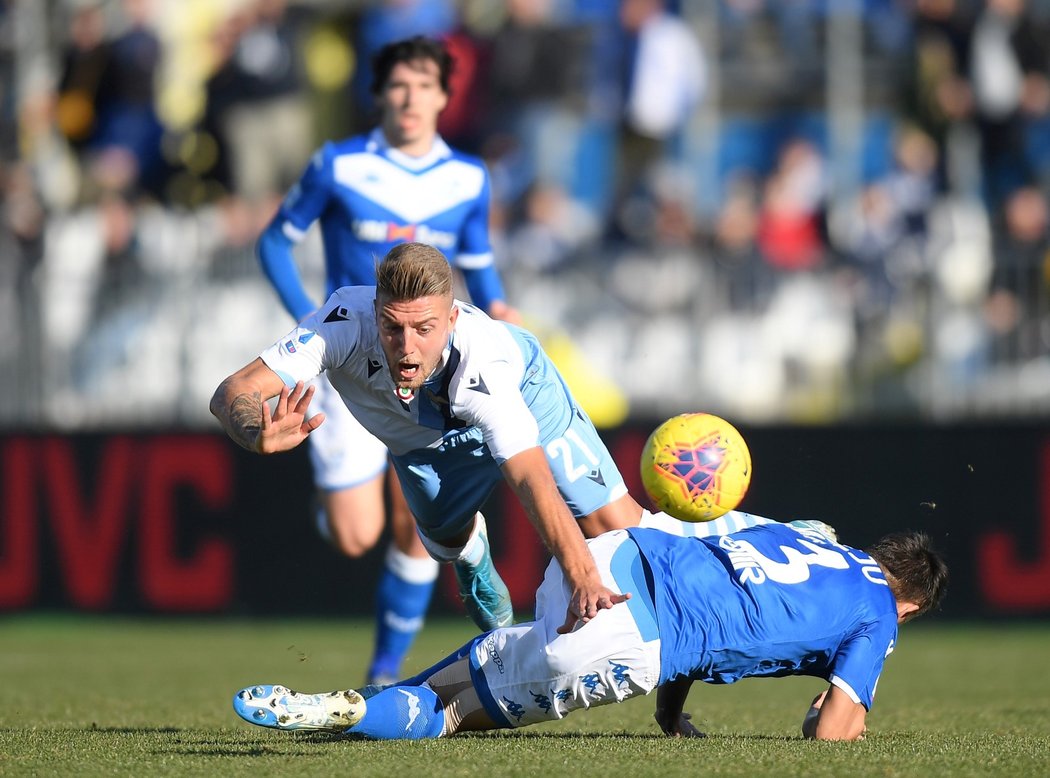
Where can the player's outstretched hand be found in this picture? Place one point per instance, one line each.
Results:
(676, 725)
(287, 426)
(585, 603)
(500, 310)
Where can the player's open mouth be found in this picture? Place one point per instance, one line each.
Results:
(407, 371)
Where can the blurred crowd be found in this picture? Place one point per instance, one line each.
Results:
(806, 210)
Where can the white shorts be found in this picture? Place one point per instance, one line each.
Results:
(343, 453)
(528, 673)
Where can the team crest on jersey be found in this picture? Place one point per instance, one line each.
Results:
(289, 346)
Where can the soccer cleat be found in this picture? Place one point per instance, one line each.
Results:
(824, 529)
(484, 594)
(278, 707)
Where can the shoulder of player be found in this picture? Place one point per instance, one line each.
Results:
(466, 159)
(485, 347)
(330, 150)
(348, 303)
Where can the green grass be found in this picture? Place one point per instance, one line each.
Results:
(105, 696)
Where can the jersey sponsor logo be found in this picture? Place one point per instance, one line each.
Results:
(339, 313)
(379, 231)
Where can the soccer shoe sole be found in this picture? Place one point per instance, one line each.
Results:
(279, 707)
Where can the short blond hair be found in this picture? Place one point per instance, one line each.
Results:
(413, 270)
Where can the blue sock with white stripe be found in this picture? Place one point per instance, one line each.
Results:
(402, 599)
(402, 713)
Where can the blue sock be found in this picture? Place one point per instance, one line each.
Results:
(402, 713)
(402, 598)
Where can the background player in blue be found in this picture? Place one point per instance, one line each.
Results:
(399, 183)
(769, 601)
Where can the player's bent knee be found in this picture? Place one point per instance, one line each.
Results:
(350, 538)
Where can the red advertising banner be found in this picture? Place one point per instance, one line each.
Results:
(189, 523)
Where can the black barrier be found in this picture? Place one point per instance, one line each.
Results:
(189, 523)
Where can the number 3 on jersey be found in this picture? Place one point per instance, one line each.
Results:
(754, 567)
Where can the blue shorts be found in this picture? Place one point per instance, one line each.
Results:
(447, 485)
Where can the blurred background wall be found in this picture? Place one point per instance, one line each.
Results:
(825, 217)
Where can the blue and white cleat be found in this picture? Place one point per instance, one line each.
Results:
(815, 524)
(484, 594)
(278, 707)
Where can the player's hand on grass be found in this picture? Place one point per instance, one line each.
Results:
(287, 426)
(676, 724)
(585, 603)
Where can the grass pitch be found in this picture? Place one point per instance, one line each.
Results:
(86, 696)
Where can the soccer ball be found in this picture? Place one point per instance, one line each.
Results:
(696, 467)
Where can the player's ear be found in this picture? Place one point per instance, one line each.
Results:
(453, 316)
(906, 611)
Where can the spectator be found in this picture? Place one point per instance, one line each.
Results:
(1019, 299)
(665, 76)
(106, 98)
(535, 84)
(257, 101)
(789, 231)
(1008, 73)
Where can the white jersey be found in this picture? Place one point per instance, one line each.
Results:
(479, 382)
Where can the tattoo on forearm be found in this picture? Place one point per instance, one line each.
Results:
(244, 419)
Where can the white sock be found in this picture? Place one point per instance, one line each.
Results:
(470, 552)
(474, 549)
(409, 568)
